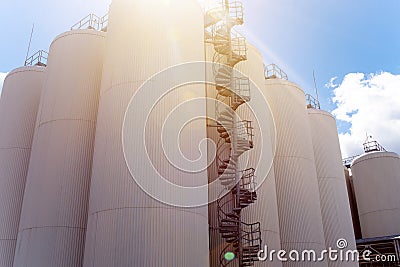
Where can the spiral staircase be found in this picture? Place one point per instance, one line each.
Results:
(236, 136)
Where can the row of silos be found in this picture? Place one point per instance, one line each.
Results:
(298, 198)
(82, 114)
(52, 229)
(313, 207)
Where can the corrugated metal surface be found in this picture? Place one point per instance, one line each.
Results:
(298, 198)
(376, 179)
(18, 110)
(54, 214)
(126, 226)
(335, 207)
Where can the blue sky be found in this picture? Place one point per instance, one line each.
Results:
(333, 38)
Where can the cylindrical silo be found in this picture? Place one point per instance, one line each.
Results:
(297, 189)
(19, 104)
(54, 213)
(335, 207)
(127, 227)
(376, 179)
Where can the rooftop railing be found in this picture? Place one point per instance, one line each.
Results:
(93, 22)
(37, 59)
(371, 146)
(272, 71)
(312, 102)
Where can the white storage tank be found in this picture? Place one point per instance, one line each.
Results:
(335, 207)
(19, 104)
(376, 180)
(54, 214)
(297, 189)
(127, 227)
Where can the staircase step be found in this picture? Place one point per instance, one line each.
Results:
(232, 215)
(229, 221)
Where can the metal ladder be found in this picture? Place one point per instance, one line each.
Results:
(236, 137)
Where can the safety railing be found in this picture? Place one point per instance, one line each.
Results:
(248, 180)
(347, 161)
(272, 71)
(104, 23)
(236, 11)
(91, 21)
(241, 87)
(312, 102)
(239, 47)
(371, 146)
(251, 234)
(37, 59)
(245, 131)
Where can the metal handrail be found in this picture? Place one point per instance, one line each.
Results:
(245, 130)
(371, 146)
(104, 23)
(37, 59)
(272, 71)
(347, 161)
(247, 182)
(91, 21)
(312, 102)
(241, 87)
(252, 233)
(236, 11)
(238, 43)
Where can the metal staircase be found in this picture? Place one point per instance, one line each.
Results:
(236, 136)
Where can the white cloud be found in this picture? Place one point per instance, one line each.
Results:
(2, 77)
(371, 104)
(331, 83)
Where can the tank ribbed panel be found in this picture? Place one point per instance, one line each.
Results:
(377, 174)
(335, 207)
(54, 213)
(297, 190)
(19, 105)
(59, 246)
(126, 226)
